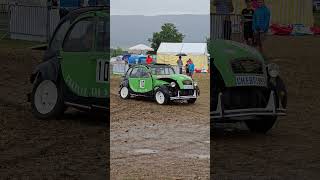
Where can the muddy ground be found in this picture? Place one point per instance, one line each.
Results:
(149, 141)
(291, 149)
(73, 147)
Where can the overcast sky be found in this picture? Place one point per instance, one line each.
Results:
(159, 7)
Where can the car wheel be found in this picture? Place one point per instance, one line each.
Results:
(192, 101)
(161, 97)
(217, 84)
(281, 93)
(46, 100)
(124, 93)
(261, 125)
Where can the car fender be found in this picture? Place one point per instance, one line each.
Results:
(48, 70)
(164, 89)
(124, 83)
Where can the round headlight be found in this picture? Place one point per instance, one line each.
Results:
(173, 84)
(195, 83)
(273, 70)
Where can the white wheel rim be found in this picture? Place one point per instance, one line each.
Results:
(46, 96)
(124, 92)
(160, 97)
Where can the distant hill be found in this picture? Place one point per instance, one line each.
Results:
(127, 31)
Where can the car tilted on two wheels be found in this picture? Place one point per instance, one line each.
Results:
(75, 68)
(244, 87)
(158, 81)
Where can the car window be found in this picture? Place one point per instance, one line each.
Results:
(103, 37)
(144, 73)
(135, 73)
(128, 72)
(81, 37)
(139, 72)
(162, 70)
(56, 42)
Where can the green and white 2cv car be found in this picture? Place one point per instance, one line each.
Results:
(158, 81)
(244, 87)
(75, 67)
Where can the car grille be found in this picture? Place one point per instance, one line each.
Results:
(247, 66)
(187, 82)
(188, 92)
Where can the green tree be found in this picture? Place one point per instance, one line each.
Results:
(168, 33)
(116, 52)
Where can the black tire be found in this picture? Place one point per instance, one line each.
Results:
(217, 85)
(198, 91)
(166, 97)
(192, 101)
(280, 87)
(264, 123)
(58, 109)
(261, 125)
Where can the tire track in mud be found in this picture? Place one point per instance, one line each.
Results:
(7, 103)
(176, 136)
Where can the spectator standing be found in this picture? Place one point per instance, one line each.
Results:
(191, 68)
(260, 24)
(180, 64)
(246, 22)
(149, 59)
(187, 67)
(224, 8)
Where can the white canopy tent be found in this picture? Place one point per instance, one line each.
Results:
(140, 48)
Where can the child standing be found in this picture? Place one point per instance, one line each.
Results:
(260, 24)
(247, 16)
(191, 69)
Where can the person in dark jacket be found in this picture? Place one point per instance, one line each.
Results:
(180, 64)
(246, 22)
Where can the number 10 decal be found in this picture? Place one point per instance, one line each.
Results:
(102, 71)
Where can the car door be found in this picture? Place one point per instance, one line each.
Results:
(99, 74)
(85, 62)
(140, 80)
(77, 58)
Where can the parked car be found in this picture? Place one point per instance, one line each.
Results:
(75, 67)
(158, 81)
(245, 87)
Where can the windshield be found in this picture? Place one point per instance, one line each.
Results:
(162, 70)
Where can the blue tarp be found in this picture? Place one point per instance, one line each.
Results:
(137, 59)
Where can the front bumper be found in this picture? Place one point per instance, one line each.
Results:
(178, 97)
(269, 110)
